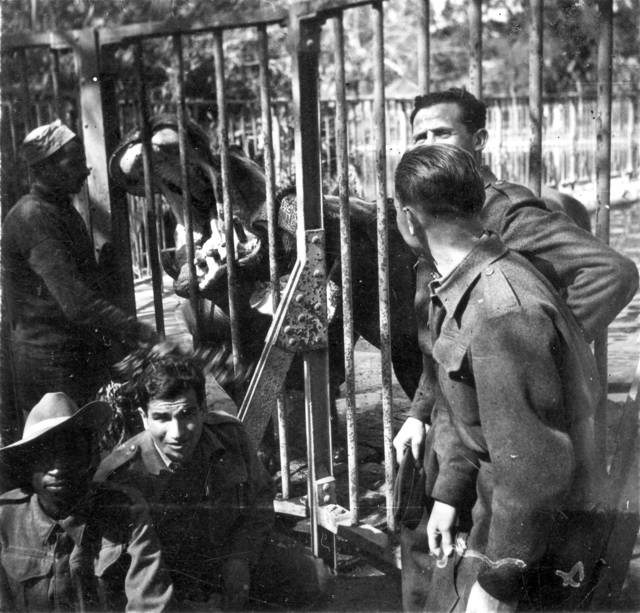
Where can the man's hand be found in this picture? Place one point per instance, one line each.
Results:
(480, 601)
(236, 578)
(441, 529)
(412, 434)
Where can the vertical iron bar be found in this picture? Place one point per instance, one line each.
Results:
(603, 183)
(305, 44)
(475, 47)
(151, 217)
(274, 276)
(186, 193)
(383, 257)
(54, 56)
(424, 48)
(223, 142)
(535, 96)
(26, 95)
(342, 153)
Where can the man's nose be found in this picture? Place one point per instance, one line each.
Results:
(177, 430)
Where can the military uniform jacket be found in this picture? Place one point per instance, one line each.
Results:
(105, 556)
(595, 281)
(514, 410)
(216, 507)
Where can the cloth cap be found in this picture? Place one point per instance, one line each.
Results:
(44, 141)
(55, 412)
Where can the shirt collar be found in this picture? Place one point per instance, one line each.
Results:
(452, 288)
(44, 526)
(487, 176)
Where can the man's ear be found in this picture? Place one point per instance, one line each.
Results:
(412, 220)
(480, 138)
(143, 416)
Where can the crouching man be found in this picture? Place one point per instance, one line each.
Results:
(67, 544)
(210, 498)
(511, 479)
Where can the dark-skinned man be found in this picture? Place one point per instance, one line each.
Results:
(61, 319)
(67, 544)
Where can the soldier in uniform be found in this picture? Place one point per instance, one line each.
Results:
(595, 281)
(511, 445)
(211, 499)
(67, 544)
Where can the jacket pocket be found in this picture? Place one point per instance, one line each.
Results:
(22, 564)
(449, 351)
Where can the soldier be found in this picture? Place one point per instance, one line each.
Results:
(595, 280)
(67, 544)
(211, 499)
(511, 446)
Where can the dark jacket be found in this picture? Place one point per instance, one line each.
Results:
(105, 556)
(513, 422)
(217, 507)
(60, 318)
(595, 280)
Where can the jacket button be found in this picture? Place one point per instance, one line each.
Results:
(489, 271)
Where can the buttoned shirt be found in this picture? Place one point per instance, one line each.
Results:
(516, 391)
(215, 507)
(105, 556)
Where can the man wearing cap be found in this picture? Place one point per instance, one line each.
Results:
(61, 323)
(67, 544)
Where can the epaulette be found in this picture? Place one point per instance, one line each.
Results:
(15, 496)
(498, 295)
(118, 457)
(515, 192)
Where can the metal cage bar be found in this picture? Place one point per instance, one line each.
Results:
(475, 47)
(186, 195)
(346, 267)
(151, 229)
(223, 141)
(603, 185)
(535, 96)
(274, 273)
(383, 258)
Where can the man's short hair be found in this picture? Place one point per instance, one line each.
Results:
(440, 180)
(473, 112)
(165, 377)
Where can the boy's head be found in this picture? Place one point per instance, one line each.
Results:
(453, 116)
(436, 182)
(171, 399)
(58, 451)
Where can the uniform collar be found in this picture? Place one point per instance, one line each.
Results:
(452, 289)
(44, 526)
(487, 176)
